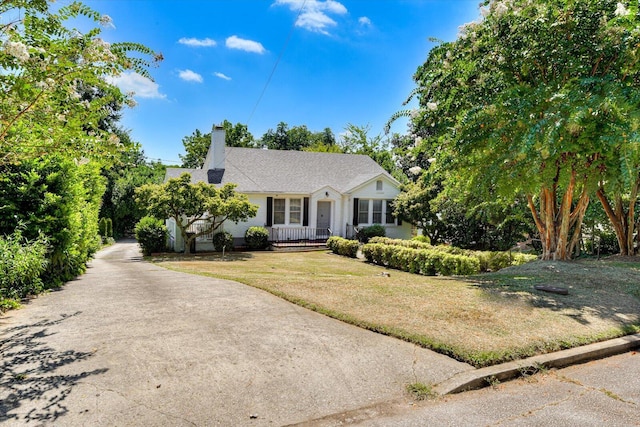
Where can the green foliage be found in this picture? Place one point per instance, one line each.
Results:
(341, 246)
(237, 135)
(109, 227)
(366, 233)
(151, 234)
(130, 172)
(428, 262)
(421, 391)
(256, 238)
(102, 227)
(188, 203)
(223, 241)
(196, 146)
(59, 199)
(422, 239)
(47, 68)
(22, 263)
(537, 99)
(423, 258)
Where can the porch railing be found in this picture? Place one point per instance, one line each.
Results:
(299, 236)
(198, 226)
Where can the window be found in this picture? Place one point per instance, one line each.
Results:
(377, 212)
(363, 211)
(389, 218)
(378, 185)
(295, 210)
(279, 210)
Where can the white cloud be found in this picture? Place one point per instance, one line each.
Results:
(193, 42)
(235, 42)
(222, 76)
(190, 76)
(141, 86)
(314, 15)
(315, 21)
(364, 21)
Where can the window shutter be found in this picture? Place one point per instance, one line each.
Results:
(305, 212)
(399, 221)
(269, 211)
(355, 211)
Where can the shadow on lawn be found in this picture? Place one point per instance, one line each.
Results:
(28, 374)
(596, 290)
(203, 256)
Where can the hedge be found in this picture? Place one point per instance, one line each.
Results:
(428, 262)
(489, 260)
(342, 246)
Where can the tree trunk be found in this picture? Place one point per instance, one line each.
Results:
(624, 223)
(555, 223)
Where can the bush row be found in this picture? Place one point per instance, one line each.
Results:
(428, 262)
(22, 263)
(342, 246)
(489, 260)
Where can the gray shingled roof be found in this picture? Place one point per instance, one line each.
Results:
(276, 171)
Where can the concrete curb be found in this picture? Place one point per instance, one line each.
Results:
(478, 378)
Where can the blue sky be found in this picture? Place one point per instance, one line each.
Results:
(341, 62)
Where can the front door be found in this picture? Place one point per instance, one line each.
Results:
(324, 215)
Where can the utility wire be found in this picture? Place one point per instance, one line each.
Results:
(286, 43)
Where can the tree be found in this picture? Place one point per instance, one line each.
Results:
(46, 69)
(355, 140)
(196, 146)
(278, 139)
(237, 135)
(187, 203)
(129, 173)
(537, 99)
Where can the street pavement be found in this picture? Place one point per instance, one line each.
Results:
(132, 344)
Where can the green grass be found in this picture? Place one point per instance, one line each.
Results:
(481, 320)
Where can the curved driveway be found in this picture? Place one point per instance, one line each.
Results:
(130, 343)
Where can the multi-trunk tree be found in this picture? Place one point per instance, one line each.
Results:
(189, 203)
(540, 98)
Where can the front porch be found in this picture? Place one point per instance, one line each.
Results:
(298, 237)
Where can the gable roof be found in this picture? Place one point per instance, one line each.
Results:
(277, 171)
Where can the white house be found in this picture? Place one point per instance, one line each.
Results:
(301, 195)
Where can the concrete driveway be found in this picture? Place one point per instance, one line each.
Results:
(130, 343)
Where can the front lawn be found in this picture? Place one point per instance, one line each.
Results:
(482, 320)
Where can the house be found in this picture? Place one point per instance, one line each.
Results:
(301, 195)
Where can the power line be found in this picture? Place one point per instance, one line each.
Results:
(286, 43)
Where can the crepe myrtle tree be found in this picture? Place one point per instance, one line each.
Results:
(539, 98)
(187, 203)
(47, 68)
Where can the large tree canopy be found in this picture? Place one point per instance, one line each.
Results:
(538, 98)
(46, 69)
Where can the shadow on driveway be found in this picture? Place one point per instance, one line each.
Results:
(29, 371)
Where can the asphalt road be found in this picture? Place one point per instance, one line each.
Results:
(130, 343)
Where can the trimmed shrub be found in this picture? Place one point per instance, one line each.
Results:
(102, 227)
(256, 238)
(428, 262)
(109, 228)
(422, 239)
(366, 233)
(223, 240)
(342, 246)
(22, 263)
(151, 234)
